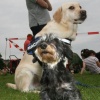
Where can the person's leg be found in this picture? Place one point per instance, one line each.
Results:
(37, 29)
(34, 30)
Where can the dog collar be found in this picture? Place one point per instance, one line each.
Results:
(35, 41)
(68, 41)
(32, 44)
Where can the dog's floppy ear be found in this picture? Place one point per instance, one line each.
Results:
(67, 51)
(58, 15)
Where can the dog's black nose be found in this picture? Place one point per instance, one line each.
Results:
(43, 45)
(83, 14)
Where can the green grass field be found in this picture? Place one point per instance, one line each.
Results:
(88, 93)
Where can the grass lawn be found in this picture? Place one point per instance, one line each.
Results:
(88, 93)
(10, 94)
(92, 91)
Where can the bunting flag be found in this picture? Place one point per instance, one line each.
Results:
(10, 45)
(93, 33)
(17, 46)
(16, 38)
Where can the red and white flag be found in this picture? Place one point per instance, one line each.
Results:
(16, 45)
(10, 45)
(93, 33)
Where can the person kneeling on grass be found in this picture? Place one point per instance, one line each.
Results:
(90, 61)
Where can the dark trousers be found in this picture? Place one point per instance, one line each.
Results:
(37, 29)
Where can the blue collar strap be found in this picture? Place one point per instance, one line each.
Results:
(32, 45)
(35, 41)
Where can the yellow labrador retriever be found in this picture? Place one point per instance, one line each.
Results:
(64, 25)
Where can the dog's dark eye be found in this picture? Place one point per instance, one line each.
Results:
(80, 6)
(71, 7)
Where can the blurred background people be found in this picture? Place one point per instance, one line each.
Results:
(98, 55)
(27, 41)
(90, 61)
(75, 64)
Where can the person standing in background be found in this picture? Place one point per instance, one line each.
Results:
(38, 14)
(27, 41)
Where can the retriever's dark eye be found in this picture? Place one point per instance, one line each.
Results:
(80, 7)
(71, 7)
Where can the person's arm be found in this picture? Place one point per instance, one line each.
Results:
(45, 4)
(49, 5)
(83, 68)
(98, 63)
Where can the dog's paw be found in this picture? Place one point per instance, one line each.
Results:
(36, 91)
(25, 90)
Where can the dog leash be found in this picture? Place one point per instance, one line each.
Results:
(85, 85)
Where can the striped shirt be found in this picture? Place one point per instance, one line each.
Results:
(91, 64)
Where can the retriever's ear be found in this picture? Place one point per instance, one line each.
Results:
(58, 15)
